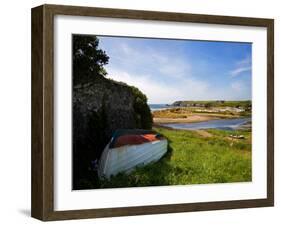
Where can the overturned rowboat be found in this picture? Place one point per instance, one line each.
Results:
(128, 149)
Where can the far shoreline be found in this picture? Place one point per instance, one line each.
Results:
(199, 111)
(195, 118)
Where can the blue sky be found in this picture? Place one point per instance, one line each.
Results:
(170, 70)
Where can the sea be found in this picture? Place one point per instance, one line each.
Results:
(156, 107)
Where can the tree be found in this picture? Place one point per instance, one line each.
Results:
(88, 59)
(208, 105)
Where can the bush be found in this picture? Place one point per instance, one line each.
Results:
(143, 115)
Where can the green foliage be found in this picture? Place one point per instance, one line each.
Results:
(216, 103)
(209, 104)
(143, 115)
(88, 59)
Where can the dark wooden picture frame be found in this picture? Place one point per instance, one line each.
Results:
(42, 203)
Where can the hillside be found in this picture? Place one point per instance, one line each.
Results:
(213, 103)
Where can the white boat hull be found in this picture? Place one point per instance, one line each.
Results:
(127, 158)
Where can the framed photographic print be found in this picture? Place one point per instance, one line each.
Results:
(141, 112)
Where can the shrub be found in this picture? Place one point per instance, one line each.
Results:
(143, 115)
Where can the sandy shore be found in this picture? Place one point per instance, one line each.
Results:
(192, 118)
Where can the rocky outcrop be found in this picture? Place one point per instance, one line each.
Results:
(99, 108)
(112, 101)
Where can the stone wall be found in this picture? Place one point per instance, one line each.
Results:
(99, 108)
(106, 101)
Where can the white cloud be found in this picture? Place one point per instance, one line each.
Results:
(187, 88)
(158, 92)
(126, 49)
(242, 66)
(239, 70)
(237, 86)
(144, 59)
(175, 68)
(246, 61)
(239, 90)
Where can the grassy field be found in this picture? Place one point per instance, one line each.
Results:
(194, 157)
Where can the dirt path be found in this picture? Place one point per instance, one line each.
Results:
(204, 133)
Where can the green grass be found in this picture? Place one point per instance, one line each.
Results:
(193, 159)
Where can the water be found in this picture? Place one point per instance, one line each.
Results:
(224, 124)
(156, 107)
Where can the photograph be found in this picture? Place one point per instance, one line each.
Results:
(160, 112)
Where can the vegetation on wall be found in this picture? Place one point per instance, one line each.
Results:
(143, 115)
